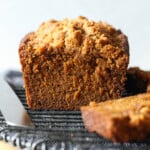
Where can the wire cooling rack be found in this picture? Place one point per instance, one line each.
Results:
(55, 129)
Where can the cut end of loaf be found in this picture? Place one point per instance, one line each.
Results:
(68, 63)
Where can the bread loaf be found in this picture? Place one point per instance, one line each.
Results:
(68, 63)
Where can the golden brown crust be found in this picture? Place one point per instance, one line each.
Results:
(68, 63)
(121, 120)
(77, 34)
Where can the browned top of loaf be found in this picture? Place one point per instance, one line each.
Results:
(78, 34)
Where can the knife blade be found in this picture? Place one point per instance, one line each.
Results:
(12, 108)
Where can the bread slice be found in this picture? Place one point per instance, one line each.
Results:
(66, 64)
(121, 120)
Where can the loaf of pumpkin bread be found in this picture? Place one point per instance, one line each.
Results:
(68, 63)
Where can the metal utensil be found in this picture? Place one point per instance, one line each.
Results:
(11, 107)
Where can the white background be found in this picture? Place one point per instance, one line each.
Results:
(18, 17)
